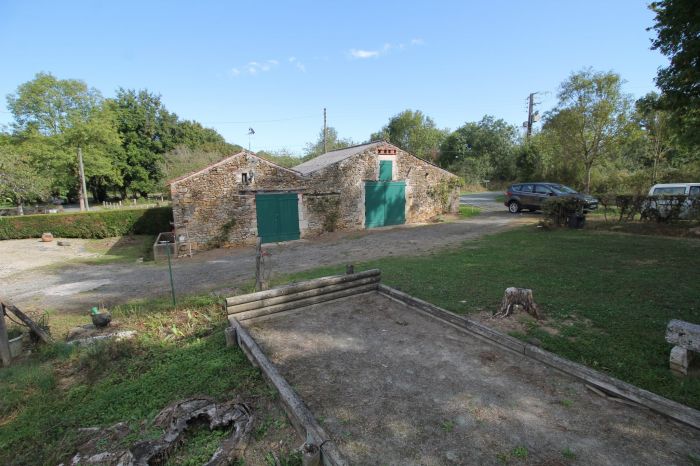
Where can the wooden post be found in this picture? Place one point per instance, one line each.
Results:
(45, 337)
(4, 340)
(258, 265)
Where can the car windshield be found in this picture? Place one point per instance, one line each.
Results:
(561, 189)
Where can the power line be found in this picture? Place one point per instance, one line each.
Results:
(247, 122)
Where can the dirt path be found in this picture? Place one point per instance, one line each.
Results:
(79, 287)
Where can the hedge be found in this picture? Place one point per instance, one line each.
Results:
(99, 224)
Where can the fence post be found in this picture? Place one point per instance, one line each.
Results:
(4, 340)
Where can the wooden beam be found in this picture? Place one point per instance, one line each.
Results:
(299, 414)
(241, 316)
(300, 295)
(302, 286)
(45, 337)
(5, 354)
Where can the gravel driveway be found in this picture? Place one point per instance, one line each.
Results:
(77, 287)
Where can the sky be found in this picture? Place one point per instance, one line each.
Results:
(274, 66)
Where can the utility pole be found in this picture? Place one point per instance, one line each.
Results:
(532, 117)
(325, 132)
(530, 104)
(83, 189)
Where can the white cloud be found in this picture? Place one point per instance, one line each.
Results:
(362, 54)
(297, 64)
(384, 50)
(234, 71)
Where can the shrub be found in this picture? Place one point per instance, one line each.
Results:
(100, 224)
(560, 210)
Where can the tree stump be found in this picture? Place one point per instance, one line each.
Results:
(518, 297)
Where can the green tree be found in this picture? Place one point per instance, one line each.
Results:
(333, 142)
(53, 118)
(481, 150)
(148, 131)
(589, 119)
(51, 105)
(658, 137)
(414, 132)
(20, 180)
(677, 25)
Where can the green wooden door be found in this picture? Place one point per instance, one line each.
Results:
(385, 170)
(385, 203)
(278, 217)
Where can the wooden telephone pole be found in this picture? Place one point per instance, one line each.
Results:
(83, 189)
(325, 132)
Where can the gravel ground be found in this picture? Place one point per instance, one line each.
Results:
(31, 285)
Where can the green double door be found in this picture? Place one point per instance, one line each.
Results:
(278, 217)
(385, 203)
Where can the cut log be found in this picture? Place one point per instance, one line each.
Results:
(302, 286)
(299, 295)
(518, 297)
(40, 332)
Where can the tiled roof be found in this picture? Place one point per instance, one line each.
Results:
(329, 158)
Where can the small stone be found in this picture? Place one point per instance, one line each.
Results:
(63, 243)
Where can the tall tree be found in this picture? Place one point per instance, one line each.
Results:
(333, 142)
(20, 180)
(54, 118)
(677, 25)
(148, 131)
(655, 122)
(590, 117)
(51, 105)
(413, 132)
(481, 150)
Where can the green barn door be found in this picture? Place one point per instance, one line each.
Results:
(395, 199)
(385, 203)
(278, 217)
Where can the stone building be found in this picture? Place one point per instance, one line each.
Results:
(365, 186)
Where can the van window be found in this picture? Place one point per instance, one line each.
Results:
(694, 191)
(517, 187)
(676, 191)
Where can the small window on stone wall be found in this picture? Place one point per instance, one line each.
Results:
(244, 178)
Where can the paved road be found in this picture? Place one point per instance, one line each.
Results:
(486, 201)
(77, 287)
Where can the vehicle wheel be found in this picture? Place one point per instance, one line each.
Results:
(513, 207)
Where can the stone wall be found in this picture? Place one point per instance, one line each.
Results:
(430, 191)
(216, 206)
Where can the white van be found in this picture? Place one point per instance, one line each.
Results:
(675, 189)
(662, 208)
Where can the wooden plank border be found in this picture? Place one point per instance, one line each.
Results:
(301, 286)
(302, 419)
(603, 382)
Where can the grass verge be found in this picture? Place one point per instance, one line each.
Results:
(467, 211)
(179, 353)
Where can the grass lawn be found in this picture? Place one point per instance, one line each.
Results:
(467, 211)
(608, 296)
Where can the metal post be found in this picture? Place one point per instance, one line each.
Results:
(170, 269)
